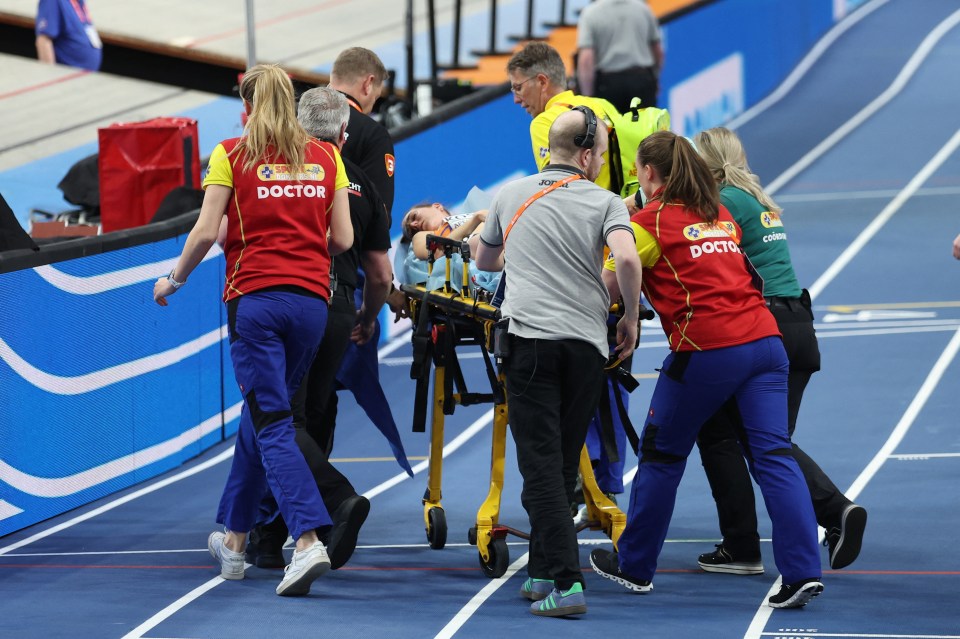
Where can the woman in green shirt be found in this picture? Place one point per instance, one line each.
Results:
(764, 241)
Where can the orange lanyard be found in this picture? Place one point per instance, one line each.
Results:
(536, 196)
(354, 105)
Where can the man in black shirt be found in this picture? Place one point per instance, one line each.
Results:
(359, 75)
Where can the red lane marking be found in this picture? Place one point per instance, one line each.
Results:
(266, 23)
(893, 572)
(34, 87)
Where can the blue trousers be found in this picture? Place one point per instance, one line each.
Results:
(691, 387)
(609, 474)
(273, 338)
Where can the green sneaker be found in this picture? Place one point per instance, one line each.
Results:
(561, 604)
(536, 589)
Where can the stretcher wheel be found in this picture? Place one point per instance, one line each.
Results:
(472, 535)
(437, 528)
(499, 558)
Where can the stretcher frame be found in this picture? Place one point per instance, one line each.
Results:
(459, 317)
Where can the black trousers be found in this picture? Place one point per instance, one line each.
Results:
(620, 87)
(723, 457)
(553, 387)
(315, 404)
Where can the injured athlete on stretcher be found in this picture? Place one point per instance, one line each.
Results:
(422, 220)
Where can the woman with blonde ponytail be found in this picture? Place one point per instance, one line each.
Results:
(282, 196)
(725, 349)
(765, 243)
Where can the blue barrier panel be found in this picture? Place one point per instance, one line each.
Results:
(100, 387)
(726, 56)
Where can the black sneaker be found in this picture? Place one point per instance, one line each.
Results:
(844, 542)
(607, 564)
(797, 594)
(347, 520)
(265, 545)
(720, 560)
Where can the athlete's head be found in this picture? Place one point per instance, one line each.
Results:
(723, 152)
(668, 160)
(425, 216)
(536, 73)
(359, 73)
(323, 112)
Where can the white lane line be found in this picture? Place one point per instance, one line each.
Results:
(886, 331)
(454, 444)
(763, 613)
(119, 502)
(913, 410)
(909, 69)
(829, 325)
(179, 551)
(884, 194)
(87, 553)
(137, 632)
(394, 344)
(923, 456)
(762, 616)
(464, 614)
(457, 442)
(867, 234)
(805, 65)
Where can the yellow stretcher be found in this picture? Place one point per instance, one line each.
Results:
(456, 317)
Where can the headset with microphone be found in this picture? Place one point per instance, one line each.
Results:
(586, 139)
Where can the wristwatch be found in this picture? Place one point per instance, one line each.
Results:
(174, 283)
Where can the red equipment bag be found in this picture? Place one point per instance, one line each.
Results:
(139, 163)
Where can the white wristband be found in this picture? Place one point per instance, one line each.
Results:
(174, 283)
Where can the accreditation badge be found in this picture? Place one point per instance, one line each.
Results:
(93, 36)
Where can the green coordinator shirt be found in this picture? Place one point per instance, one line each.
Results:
(764, 241)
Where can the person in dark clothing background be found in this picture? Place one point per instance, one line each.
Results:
(619, 54)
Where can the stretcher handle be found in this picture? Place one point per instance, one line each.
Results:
(448, 245)
(645, 313)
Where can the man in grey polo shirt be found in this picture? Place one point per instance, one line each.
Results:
(619, 54)
(557, 223)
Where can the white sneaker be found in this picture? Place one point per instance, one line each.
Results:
(231, 563)
(305, 567)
